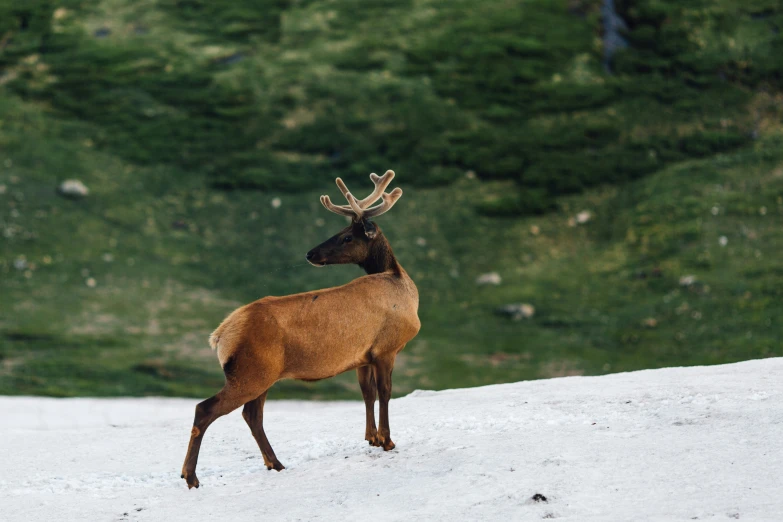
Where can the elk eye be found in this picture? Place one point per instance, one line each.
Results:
(347, 239)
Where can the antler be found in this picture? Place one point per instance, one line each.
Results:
(359, 209)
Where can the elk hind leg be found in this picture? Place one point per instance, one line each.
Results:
(225, 401)
(253, 413)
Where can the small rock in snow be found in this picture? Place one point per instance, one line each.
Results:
(490, 278)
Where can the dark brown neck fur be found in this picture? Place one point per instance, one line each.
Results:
(380, 258)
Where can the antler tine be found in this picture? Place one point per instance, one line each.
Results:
(354, 207)
(381, 182)
(337, 209)
(359, 211)
(389, 199)
(342, 187)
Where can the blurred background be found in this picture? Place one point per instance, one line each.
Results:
(591, 186)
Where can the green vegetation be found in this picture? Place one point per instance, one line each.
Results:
(186, 119)
(241, 91)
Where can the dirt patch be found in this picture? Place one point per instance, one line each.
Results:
(562, 368)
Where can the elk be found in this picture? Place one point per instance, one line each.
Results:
(361, 325)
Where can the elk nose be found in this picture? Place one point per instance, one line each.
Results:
(309, 256)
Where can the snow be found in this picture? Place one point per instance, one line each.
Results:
(699, 443)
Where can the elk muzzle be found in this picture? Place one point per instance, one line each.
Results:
(315, 259)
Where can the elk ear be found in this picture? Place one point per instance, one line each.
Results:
(369, 228)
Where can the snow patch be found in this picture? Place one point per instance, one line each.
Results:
(671, 444)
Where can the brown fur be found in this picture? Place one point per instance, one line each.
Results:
(316, 335)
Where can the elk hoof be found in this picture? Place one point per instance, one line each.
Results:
(384, 442)
(275, 466)
(373, 440)
(191, 479)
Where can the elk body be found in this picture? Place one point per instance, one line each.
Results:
(316, 335)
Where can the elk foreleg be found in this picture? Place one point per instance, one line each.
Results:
(383, 377)
(369, 391)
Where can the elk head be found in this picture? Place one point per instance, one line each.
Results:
(354, 243)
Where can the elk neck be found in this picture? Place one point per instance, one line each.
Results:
(380, 258)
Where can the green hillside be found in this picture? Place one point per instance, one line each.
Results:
(187, 119)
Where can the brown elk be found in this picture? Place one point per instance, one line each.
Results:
(317, 335)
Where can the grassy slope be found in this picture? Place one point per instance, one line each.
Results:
(513, 90)
(171, 256)
(160, 289)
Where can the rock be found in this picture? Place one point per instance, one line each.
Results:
(687, 280)
(584, 216)
(276, 202)
(20, 263)
(421, 241)
(614, 28)
(73, 188)
(535, 230)
(230, 59)
(490, 278)
(517, 311)
(723, 241)
(650, 322)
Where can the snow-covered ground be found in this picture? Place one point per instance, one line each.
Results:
(675, 444)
